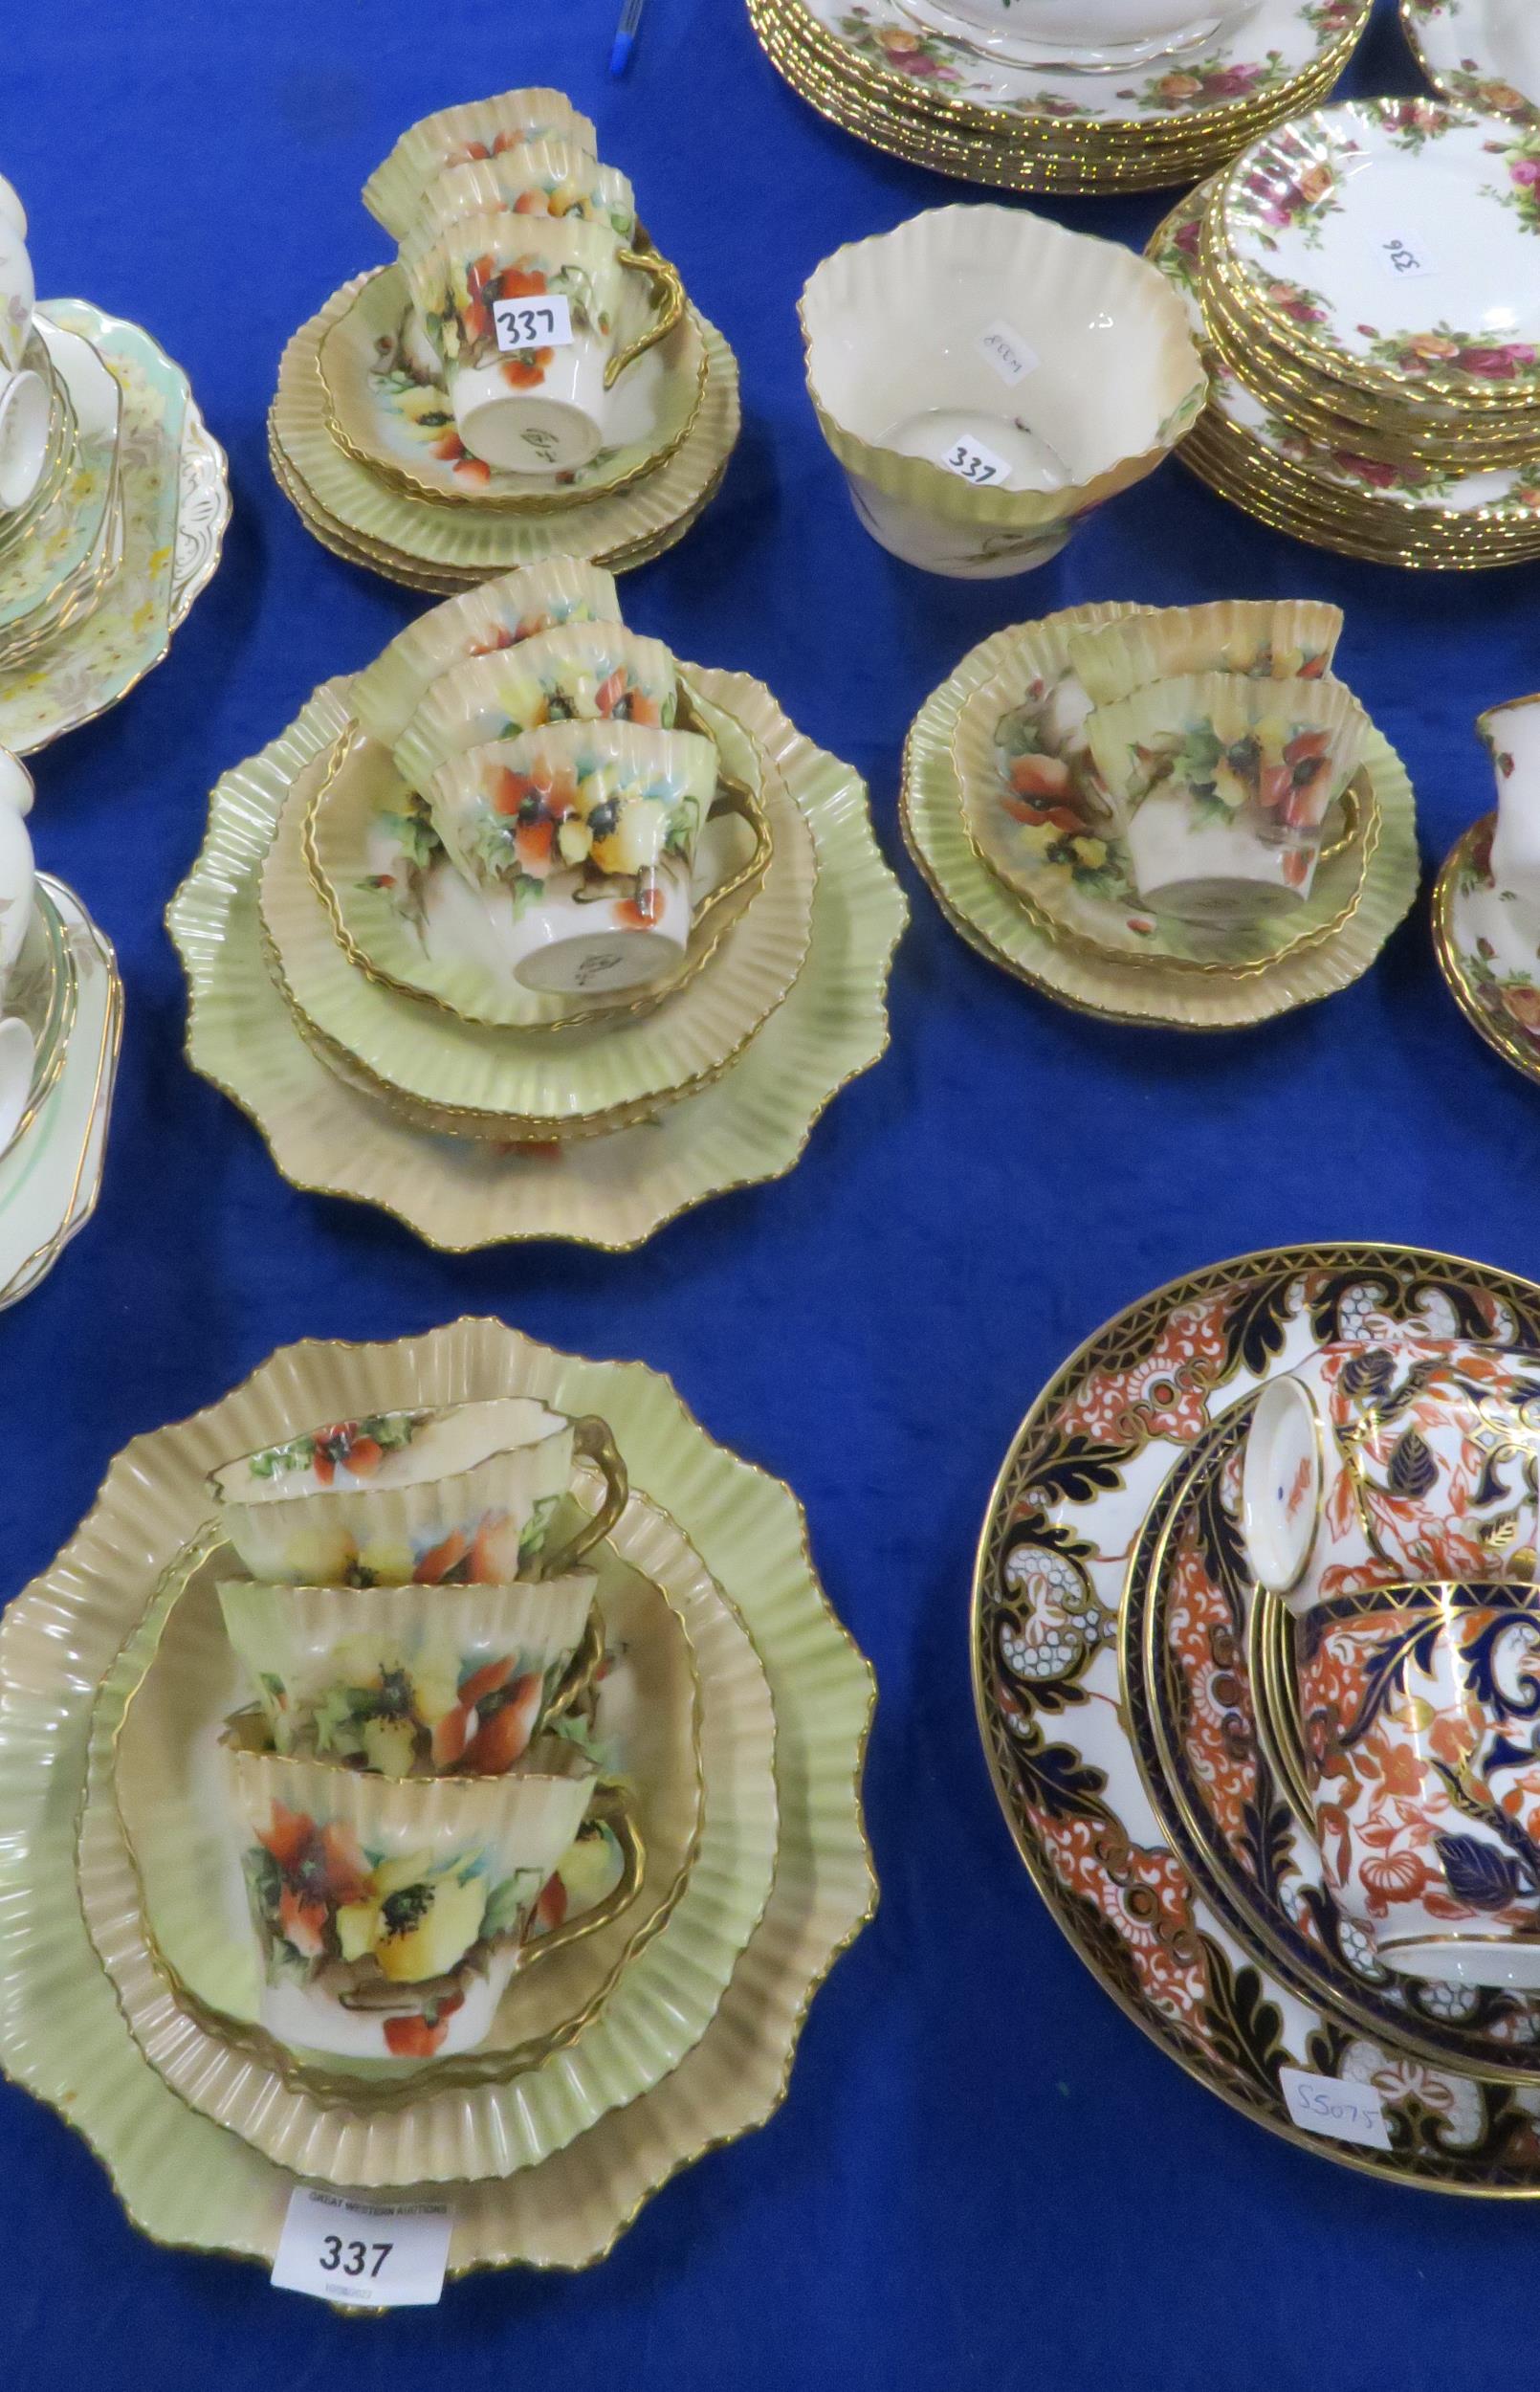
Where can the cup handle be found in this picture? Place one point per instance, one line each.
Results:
(732, 798)
(667, 297)
(581, 1669)
(1352, 816)
(611, 1806)
(592, 1442)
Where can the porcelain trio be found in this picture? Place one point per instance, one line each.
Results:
(527, 380)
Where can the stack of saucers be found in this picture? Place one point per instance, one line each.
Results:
(1139, 93)
(1361, 285)
(518, 1877)
(1168, 816)
(541, 933)
(60, 1020)
(527, 380)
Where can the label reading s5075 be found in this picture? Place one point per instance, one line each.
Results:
(541, 323)
(1327, 2105)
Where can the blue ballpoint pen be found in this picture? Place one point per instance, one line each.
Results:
(626, 33)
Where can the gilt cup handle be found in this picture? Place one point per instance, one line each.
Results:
(592, 1442)
(668, 299)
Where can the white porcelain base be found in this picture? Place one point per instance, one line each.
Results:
(951, 549)
(552, 430)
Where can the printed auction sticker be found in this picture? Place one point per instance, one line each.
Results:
(542, 322)
(374, 2254)
(971, 461)
(1324, 2105)
(1012, 357)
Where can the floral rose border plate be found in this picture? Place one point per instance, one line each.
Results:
(1082, 1474)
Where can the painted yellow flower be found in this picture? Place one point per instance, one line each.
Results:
(417, 1923)
(1092, 853)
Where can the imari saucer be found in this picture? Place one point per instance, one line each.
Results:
(996, 920)
(1479, 53)
(188, 2182)
(1131, 1717)
(612, 1191)
(174, 491)
(1485, 954)
(51, 1176)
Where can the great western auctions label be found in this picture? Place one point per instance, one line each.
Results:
(1012, 357)
(368, 2254)
(544, 322)
(1324, 2105)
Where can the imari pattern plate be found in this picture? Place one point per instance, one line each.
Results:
(1127, 1698)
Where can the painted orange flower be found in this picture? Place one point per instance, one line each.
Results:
(640, 912)
(321, 1868)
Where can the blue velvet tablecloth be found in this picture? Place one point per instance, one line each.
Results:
(985, 2174)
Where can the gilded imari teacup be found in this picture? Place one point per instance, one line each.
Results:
(1406, 1459)
(1419, 1709)
(462, 1495)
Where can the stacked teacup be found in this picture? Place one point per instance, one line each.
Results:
(405, 1787)
(532, 296)
(1391, 1500)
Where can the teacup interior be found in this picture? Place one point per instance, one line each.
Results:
(1281, 1485)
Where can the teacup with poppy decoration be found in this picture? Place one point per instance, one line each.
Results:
(1403, 1459)
(408, 1680)
(462, 1494)
(577, 673)
(389, 1913)
(592, 830)
(1223, 784)
(1419, 1718)
(532, 322)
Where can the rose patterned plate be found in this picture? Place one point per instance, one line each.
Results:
(1458, 516)
(185, 2182)
(1240, 70)
(383, 412)
(1391, 243)
(1479, 53)
(1113, 1682)
(1486, 952)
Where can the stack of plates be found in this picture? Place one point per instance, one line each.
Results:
(387, 1053)
(1055, 911)
(1480, 53)
(1134, 1689)
(734, 1705)
(1362, 287)
(123, 531)
(882, 71)
(66, 990)
(346, 436)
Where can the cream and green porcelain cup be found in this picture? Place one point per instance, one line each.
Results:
(500, 613)
(389, 1913)
(525, 315)
(580, 673)
(546, 178)
(475, 128)
(593, 829)
(415, 1682)
(461, 1495)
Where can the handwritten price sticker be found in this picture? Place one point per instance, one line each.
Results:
(971, 461)
(369, 2254)
(533, 323)
(1324, 2105)
(1012, 357)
